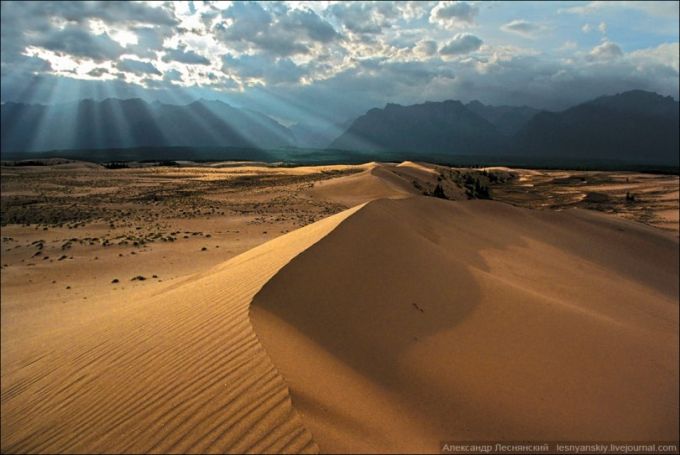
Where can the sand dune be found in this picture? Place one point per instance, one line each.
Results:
(375, 182)
(420, 320)
(417, 166)
(382, 180)
(393, 325)
(179, 372)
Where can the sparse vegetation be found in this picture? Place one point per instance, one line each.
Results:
(477, 185)
(116, 165)
(439, 192)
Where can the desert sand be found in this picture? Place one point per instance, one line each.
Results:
(390, 321)
(422, 320)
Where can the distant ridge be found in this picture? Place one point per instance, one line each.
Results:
(635, 127)
(507, 119)
(115, 123)
(446, 126)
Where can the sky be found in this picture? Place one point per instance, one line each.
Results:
(331, 61)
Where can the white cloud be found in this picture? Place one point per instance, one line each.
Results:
(524, 28)
(652, 8)
(462, 43)
(601, 27)
(605, 51)
(454, 14)
(425, 48)
(665, 54)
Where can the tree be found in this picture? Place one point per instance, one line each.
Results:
(439, 192)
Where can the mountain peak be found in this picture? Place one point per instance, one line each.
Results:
(430, 127)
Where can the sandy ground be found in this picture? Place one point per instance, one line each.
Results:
(652, 199)
(470, 321)
(126, 297)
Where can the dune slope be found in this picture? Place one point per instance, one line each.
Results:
(420, 320)
(182, 371)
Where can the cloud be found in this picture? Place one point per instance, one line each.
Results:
(189, 57)
(462, 43)
(172, 75)
(98, 72)
(367, 18)
(310, 24)
(112, 12)
(68, 27)
(149, 40)
(605, 51)
(426, 48)
(523, 28)
(276, 71)
(80, 43)
(289, 32)
(336, 59)
(454, 14)
(666, 54)
(137, 67)
(651, 8)
(601, 27)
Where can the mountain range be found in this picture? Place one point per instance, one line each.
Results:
(114, 123)
(635, 127)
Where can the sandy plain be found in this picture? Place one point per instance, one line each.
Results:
(235, 307)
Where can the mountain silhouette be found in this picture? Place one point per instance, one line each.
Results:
(432, 127)
(115, 123)
(507, 119)
(635, 126)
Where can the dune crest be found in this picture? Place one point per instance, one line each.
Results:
(180, 372)
(381, 180)
(420, 320)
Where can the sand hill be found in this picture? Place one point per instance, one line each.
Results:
(382, 180)
(182, 371)
(420, 320)
(390, 326)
